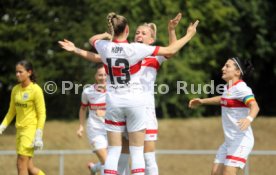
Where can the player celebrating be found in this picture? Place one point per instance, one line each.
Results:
(93, 97)
(146, 34)
(125, 105)
(27, 104)
(239, 108)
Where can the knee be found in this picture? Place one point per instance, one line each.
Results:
(22, 163)
(229, 171)
(216, 171)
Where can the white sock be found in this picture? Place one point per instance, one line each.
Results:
(137, 160)
(123, 165)
(111, 163)
(97, 167)
(151, 165)
(102, 170)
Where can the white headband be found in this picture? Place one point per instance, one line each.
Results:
(238, 65)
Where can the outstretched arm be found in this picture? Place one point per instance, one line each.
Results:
(194, 103)
(70, 47)
(177, 45)
(101, 36)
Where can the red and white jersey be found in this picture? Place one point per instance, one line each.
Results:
(123, 62)
(150, 66)
(234, 106)
(94, 100)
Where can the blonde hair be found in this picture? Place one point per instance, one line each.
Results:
(153, 29)
(116, 24)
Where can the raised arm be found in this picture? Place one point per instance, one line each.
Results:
(70, 47)
(171, 30)
(177, 45)
(194, 103)
(101, 36)
(171, 27)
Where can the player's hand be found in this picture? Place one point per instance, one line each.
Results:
(174, 22)
(80, 131)
(194, 103)
(2, 128)
(244, 123)
(38, 143)
(192, 28)
(67, 45)
(100, 113)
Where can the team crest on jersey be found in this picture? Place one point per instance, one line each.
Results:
(25, 96)
(228, 94)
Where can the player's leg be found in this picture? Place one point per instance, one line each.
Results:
(22, 164)
(150, 158)
(34, 170)
(24, 148)
(236, 157)
(217, 169)
(150, 142)
(115, 125)
(136, 131)
(218, 165)
(229, 170)
(123, 165)
(114, 152)
(99, 143)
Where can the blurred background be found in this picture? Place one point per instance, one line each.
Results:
(30, 29)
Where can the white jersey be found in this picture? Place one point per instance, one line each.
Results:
(122, 62)
(150, 66)
(95, 100)
(234, 105)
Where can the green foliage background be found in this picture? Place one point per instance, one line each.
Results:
(30, 29)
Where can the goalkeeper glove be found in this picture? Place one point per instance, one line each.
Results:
(2, 128)
(38, 143)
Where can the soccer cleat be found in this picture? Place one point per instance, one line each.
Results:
(90, 166)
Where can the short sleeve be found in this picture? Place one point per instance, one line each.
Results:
(84, 99)
(245, 94)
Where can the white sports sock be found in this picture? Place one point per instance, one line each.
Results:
(97, 167)
(123, 165)
(111, 163)
(137, 160)
(151, 165)
(102, 170)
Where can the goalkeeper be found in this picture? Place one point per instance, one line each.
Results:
(28, 105)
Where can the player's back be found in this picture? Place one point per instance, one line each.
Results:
(122, 64)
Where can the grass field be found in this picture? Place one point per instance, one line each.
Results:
(201, 133)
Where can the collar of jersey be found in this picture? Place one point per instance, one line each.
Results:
(117, 41)
(235, 83)
(96, 87)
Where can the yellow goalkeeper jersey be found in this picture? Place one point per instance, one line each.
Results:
(28, 105)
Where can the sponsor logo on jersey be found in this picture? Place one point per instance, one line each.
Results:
(21, 105)
(25, 96)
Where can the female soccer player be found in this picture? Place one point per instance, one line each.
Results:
(125, 100)
(93, 97)
(145, 33)
(27, 104)
(239, 108)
